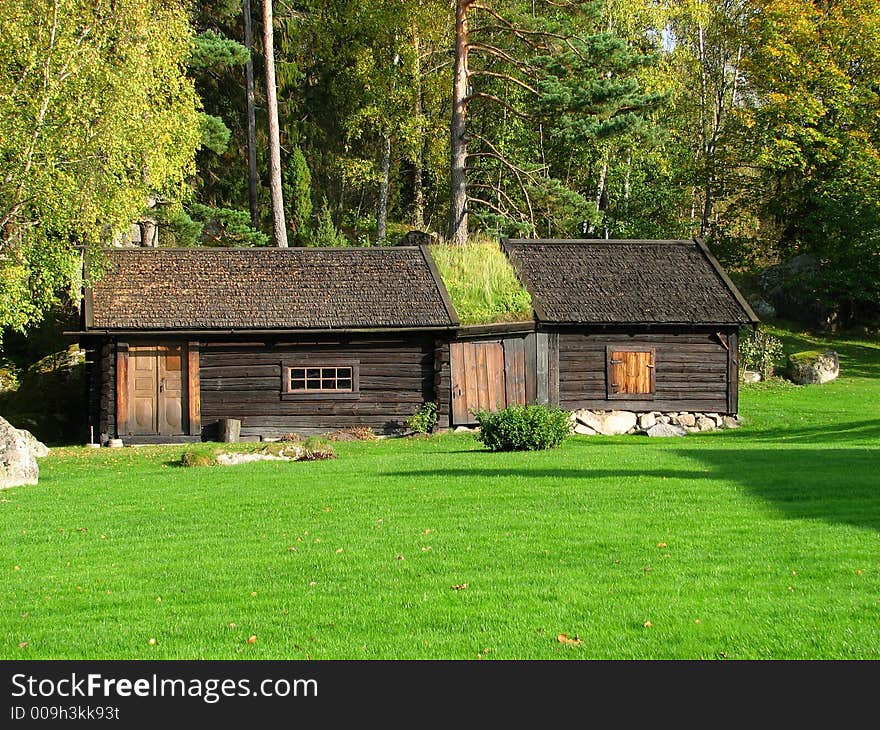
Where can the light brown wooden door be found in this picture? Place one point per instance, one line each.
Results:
(171, 392)
(157, 398)
(143, 390)
(477, 379)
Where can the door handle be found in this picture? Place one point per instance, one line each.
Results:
(162, 385)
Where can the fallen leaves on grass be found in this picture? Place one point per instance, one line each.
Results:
(661, 545)
(460, 587)
(152, 642)
(647, 624)
(252, 639)
(22, 645)
(569, 640)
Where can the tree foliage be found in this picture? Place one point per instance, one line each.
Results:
(97, 114)
(813, 70)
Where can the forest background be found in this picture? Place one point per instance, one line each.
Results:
(752, 123)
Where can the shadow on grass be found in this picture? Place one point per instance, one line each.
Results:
(548, 473)
(826, 434)
(833, 485)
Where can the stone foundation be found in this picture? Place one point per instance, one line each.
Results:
(654, 423)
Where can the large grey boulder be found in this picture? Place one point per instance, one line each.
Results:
(807, 368)
(608, 423)
(687, 419)
(664, 430)
(18, 465)
(36, 446)
(704, 423)
(762, 308)
(583, 430)
(647, 420)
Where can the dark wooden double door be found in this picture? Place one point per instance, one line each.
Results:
(157, 390)
(488, 375)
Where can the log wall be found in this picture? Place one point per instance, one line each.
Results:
(243, 381)
(694, 371)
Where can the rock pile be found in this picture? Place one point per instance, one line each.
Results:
(654, 423)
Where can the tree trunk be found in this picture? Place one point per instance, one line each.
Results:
(279, 227)
(418, 163)
(458, 214)
(382, 212)
(253, 197)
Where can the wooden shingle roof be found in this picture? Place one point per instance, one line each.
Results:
(627, 282)
(268, 289)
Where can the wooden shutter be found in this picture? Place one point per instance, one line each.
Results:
(630, 371)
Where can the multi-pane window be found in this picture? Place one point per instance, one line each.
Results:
(312, 379)
(630, 372)
(328, 379)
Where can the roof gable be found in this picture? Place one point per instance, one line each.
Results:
(269, 288)
(627, 282)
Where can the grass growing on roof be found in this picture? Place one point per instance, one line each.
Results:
(481, 282)
(756, 543)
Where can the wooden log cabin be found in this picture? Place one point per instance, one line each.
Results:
(303, 340)
(309, 340)
(634, 325)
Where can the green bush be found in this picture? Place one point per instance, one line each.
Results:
(760, 351)
(524, 428)
(424, 419)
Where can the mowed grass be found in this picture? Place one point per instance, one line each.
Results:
(759, 543)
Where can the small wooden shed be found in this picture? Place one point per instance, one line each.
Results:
(639, 325)
(302, 340)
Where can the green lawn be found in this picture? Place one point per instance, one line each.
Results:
(762, 542)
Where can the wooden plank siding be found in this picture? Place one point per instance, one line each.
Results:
(691, 372)
(122, 408)
(490, 374)
(442, 383)
(242, 380)
(193, 389)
